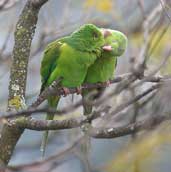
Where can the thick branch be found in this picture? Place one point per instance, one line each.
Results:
(24, 33)
(148, 123)
(96, 133)
(41, 125)
(38, 3)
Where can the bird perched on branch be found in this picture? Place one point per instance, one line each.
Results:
(104, 67)
(69, 58)
(101, 71)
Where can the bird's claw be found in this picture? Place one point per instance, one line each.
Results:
(65, 91)
(107, 83)
(79, 90)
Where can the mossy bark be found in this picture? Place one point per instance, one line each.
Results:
(24, 33)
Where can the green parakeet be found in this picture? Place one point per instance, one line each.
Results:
(69, 58)
(103, 68)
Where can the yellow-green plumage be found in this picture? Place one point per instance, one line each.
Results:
(103, 68)
(69, 58)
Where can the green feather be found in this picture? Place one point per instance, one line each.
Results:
(69, 58)
(104, 67)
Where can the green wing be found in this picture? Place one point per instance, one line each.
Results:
(48, 64)
(49, 61)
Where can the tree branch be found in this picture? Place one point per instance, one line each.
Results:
(24, 33)
(33, 110)
(54, 90)
(112, 132)
(128, 129)
(49, 162)
(108, 133)
(38, 3)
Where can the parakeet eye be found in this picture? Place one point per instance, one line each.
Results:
(95, 35)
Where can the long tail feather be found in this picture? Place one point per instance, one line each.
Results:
(52, 103)
(87, 98)
(44, 143)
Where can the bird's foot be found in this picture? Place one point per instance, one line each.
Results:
(66, 91)
(79, 90)
(107, 83)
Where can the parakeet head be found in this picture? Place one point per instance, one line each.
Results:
(88, 38)
(117, 41)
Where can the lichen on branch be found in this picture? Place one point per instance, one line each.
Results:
(24, 32)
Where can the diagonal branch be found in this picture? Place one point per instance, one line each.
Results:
(148, 123)
(54, 90)
(34, 110)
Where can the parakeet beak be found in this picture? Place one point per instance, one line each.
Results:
(106, 33)
(107, 47)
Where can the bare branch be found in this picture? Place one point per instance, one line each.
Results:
(102, 132)
(130, 128)
(6, 4)
(50, 162)
(148, 26)
(108, 133)
(141, 6)
(54, 90)
(38, 3)
(33, 109)
(164, 8)
(39, 125)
